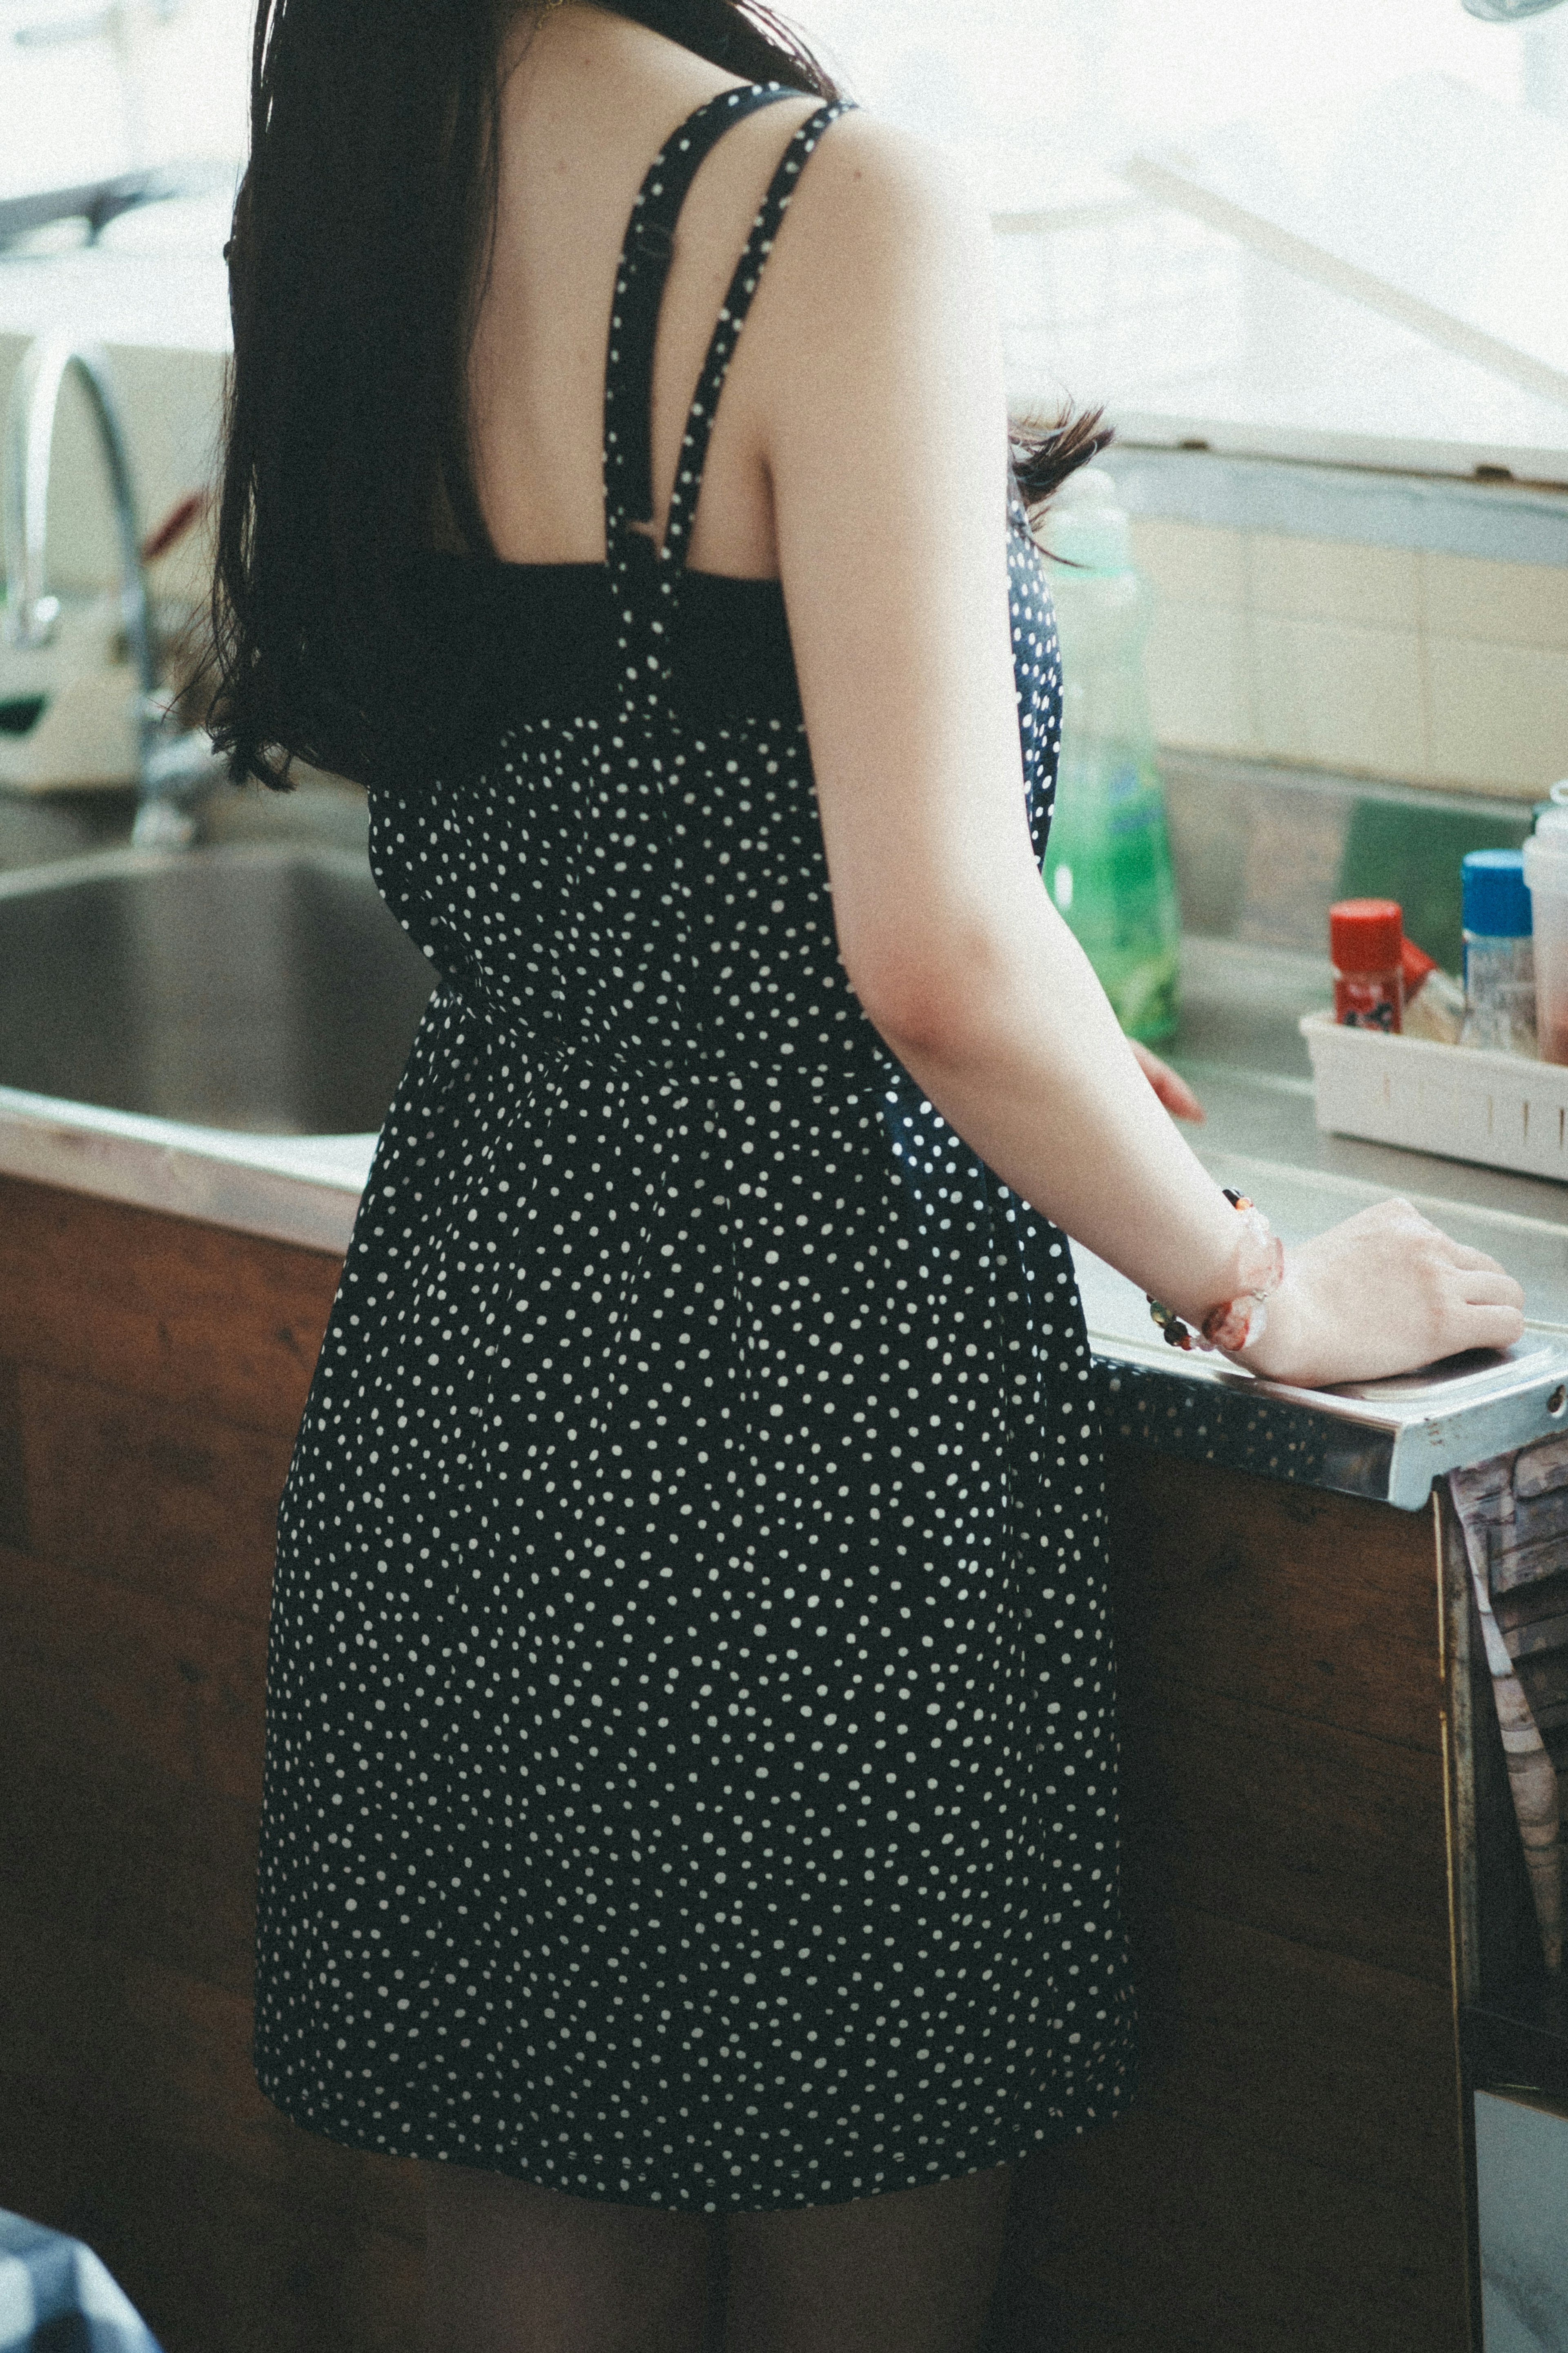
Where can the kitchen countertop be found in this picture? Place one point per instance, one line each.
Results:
(1241, 1050)
(1383, 1439)
(1240, 1047)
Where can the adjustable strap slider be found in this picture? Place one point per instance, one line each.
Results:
(651, 238)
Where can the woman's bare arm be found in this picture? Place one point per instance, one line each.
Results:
(884, 423)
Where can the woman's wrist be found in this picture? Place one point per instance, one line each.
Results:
(1239, 1318)
(1283, 1349)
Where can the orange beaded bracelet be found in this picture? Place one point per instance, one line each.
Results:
(1230, 1326)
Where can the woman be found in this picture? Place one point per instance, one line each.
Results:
(689, 1814)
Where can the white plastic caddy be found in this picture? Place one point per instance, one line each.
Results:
(1500, 1109)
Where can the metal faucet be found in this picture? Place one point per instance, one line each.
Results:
(173, 766)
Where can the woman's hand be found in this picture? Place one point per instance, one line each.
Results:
(1381, 1293)
(1170, 1087)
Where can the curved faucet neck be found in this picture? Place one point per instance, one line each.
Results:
(30, 612)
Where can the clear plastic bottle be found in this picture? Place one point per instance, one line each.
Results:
(1500, 953)
(1546, 877)
(1107, 865)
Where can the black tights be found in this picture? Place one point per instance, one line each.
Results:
(514, 2269)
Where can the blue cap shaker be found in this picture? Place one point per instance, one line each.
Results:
(1495, 899)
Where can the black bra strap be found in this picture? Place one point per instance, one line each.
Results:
(639, 290)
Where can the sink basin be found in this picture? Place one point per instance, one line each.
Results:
(262, 989)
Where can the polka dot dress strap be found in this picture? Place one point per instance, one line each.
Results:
(727, 332)
(639, 290)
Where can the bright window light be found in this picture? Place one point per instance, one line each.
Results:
(1156, 172)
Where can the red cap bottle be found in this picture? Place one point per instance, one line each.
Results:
(1367, 939)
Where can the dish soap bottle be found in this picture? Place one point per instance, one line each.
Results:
(1108, 864)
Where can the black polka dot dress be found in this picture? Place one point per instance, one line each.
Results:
(690, 1757)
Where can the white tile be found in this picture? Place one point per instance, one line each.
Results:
(1197, 666)
(1338, 697)
(1499, 714)
(1335, 580)
(1190, 562)
(1500, 603)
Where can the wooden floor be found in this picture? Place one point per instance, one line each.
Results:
(1291, 2179)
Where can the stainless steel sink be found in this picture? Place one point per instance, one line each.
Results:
(262, 989)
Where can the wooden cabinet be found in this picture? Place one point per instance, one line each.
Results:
(152, 1376)
(1293, 2178)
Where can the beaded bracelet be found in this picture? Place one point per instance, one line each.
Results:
(1235, 1322)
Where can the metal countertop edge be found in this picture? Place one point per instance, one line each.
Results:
(283, 1190)
(1305, 1437)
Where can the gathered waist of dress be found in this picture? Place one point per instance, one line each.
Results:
(644, 1061)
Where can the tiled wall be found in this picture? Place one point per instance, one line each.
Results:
(1386, 661)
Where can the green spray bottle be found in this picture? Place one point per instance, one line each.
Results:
(1107, 865)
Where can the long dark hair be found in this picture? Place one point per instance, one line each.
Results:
(361, 239)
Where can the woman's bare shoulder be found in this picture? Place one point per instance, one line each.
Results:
(883, 261)
(876, 176)
(885, 229)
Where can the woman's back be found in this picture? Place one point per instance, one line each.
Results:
(589, 100)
